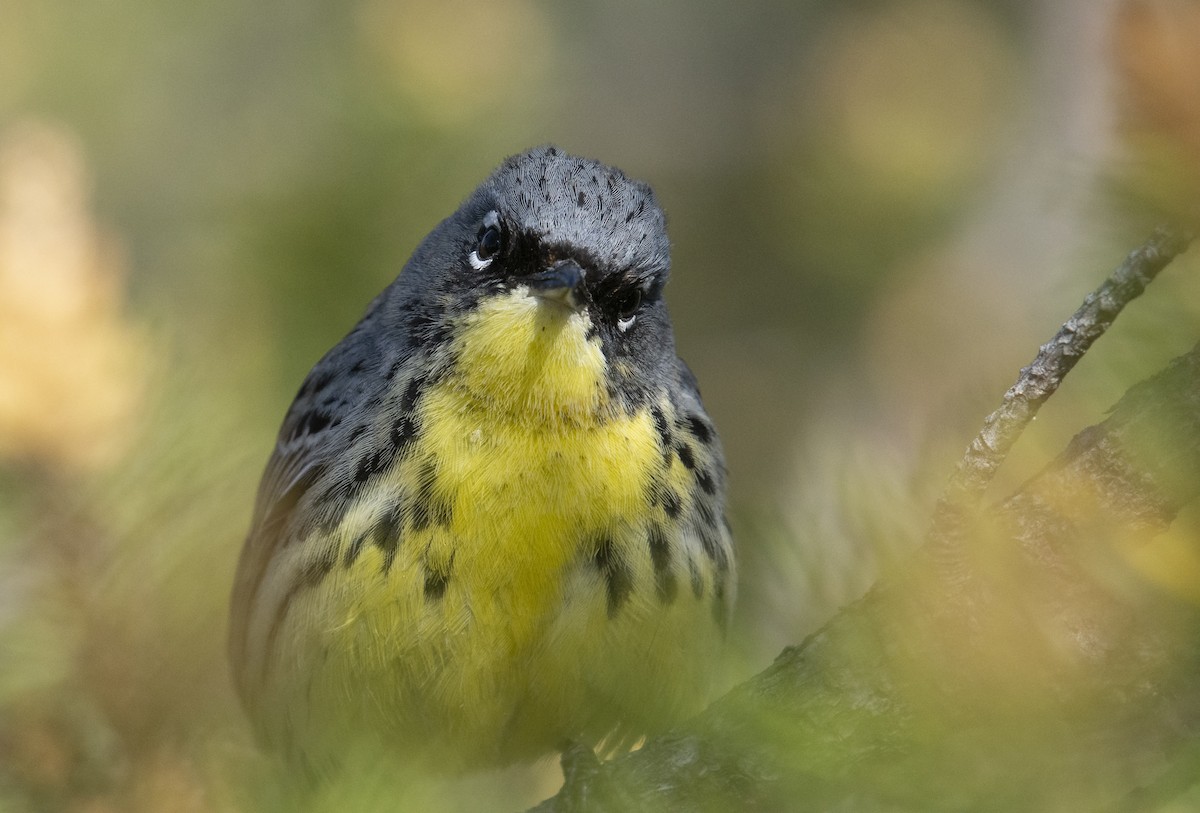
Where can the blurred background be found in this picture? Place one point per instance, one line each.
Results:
(879, 209)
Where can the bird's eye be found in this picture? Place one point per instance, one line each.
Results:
(627, 308)
(489, 243)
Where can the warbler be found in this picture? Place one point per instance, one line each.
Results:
(493, 520)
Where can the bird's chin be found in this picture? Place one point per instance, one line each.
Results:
(531, 357)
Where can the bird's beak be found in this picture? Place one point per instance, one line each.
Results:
(561, 283)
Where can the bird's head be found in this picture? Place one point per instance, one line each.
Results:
(543, 292)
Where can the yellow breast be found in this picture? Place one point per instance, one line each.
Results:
(489, 625)
(535, 464)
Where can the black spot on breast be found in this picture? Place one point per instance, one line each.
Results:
(699, 428)
(617, 578)
(685, 455)
(581, 200)
(436, 579)
(428, 508)
(660, 556)
(435, 585)
(705, 479)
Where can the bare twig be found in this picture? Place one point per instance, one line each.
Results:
(1034, 386)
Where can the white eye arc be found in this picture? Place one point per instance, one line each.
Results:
(478, 264)
(628, 304)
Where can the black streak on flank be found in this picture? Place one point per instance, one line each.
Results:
(664, 432)
(353, 549)
(710, 537)
(660, 555)
(420, 505)
(670, 503)
(617, 578)
(427, 330)
(385, 535)
(370, 465)
(700, 430)
(317, 568)
(685, 455)
(403, 433)
(273, 524)
(316, 383)
(705, 479)
(404, 428)
(310, 575)
(367, 467)
(411, 393)
(712, 548)
(311, 423)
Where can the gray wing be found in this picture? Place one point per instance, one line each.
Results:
(310, 459)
